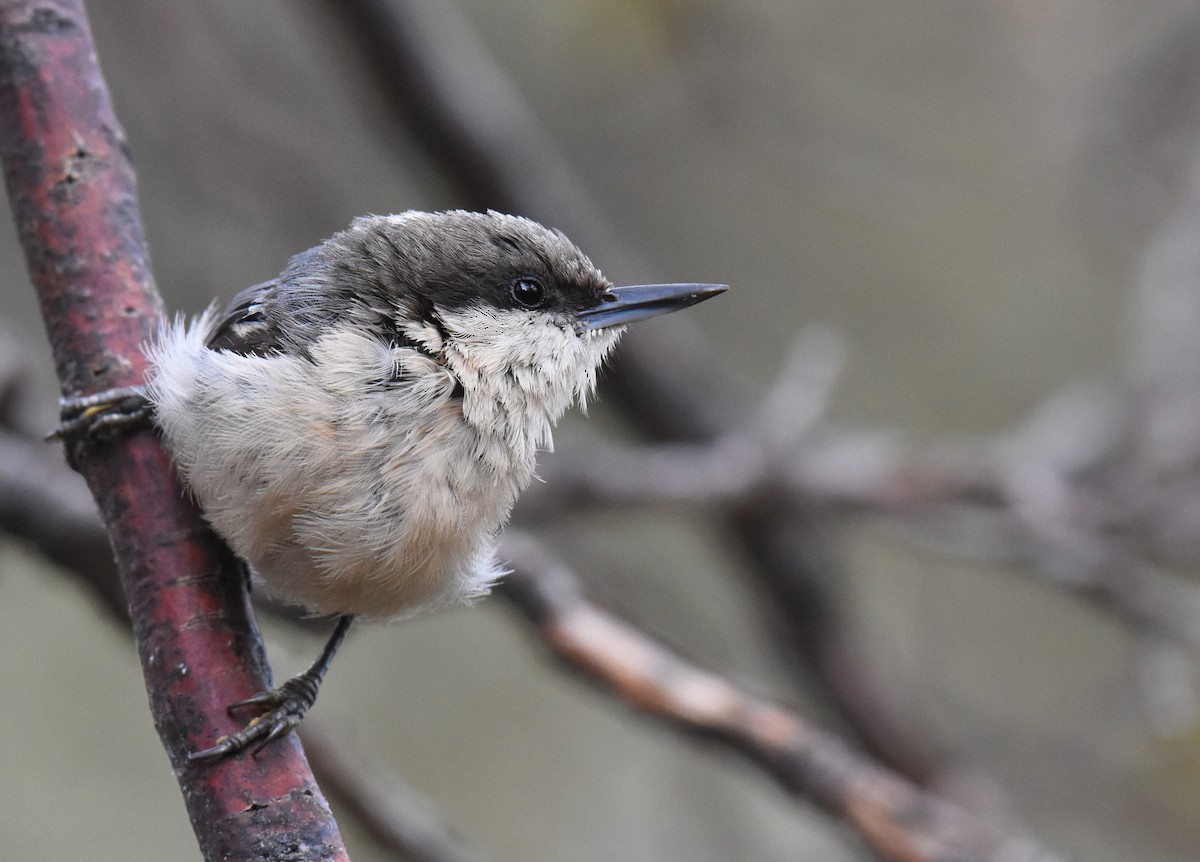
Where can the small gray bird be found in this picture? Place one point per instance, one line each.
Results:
(358, 429)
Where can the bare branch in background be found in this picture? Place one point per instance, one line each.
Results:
(1042, 500)
(897, 820)
(45, 503)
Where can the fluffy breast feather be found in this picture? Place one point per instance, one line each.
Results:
(353, 480)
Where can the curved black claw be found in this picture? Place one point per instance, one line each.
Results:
(107, 411)
(287, 705)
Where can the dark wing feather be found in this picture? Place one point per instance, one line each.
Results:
(245, 326)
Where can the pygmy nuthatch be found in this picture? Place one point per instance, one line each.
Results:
(358, 428)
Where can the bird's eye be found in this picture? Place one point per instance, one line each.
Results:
(528, 292)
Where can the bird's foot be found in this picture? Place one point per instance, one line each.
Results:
(286, 706)
(109, 411)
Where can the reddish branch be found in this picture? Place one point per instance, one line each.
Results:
(899, 821)
(72, 193)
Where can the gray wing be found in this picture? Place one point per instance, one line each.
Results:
(245, 327)
(285, 314)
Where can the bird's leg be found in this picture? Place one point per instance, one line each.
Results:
(111, 410)
(287, 703)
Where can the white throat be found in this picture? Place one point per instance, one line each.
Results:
(520, 371)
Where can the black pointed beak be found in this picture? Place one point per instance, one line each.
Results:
(640, 301)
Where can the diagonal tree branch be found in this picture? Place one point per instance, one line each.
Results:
(72, 192)
(897, 820)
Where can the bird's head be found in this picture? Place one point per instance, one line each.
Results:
(515, 310)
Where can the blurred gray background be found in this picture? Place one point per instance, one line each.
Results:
(966, 190)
